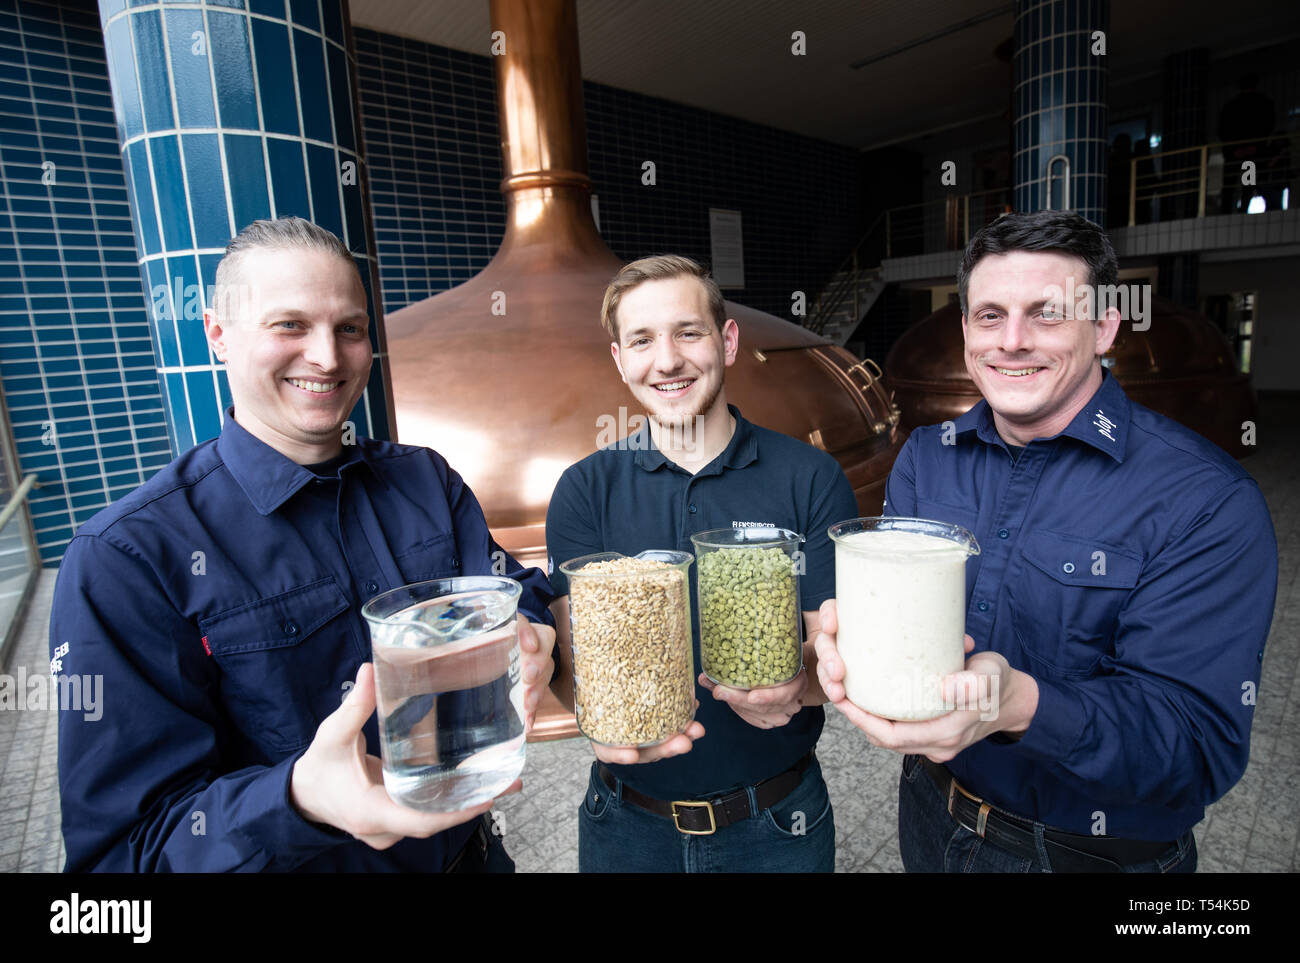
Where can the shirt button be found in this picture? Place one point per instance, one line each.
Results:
(372, 586)
(290, 628)
(1003, 533)
(1067, 568)
(983, 606)
(691, 509)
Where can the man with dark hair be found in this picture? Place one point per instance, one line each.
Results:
(220, 602)
(1117, 611)
(740, 790)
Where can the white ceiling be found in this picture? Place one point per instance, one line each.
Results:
(734, 56)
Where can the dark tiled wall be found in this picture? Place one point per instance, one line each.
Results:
(75, 350)
(429, 116)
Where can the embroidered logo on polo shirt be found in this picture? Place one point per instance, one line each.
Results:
(736, 524)
(1103, 424)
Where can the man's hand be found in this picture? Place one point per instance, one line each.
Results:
(994, 698)
(536, 643)
(767, 708)
(631, 755)
(337, 783)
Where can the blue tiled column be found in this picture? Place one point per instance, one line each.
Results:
(230, 111)
(1060, 103)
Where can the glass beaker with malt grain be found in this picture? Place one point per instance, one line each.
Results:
(633, 669)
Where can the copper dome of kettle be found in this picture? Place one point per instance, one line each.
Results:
(1181, 366)
(510, 375)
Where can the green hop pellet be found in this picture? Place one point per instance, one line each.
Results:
(749, 617)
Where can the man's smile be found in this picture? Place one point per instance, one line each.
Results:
(674, 388)
(315, 387)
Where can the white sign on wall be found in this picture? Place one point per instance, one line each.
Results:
(728, 244)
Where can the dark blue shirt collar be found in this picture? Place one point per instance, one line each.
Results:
(1102, 423)
(741, 450)
(267, 477)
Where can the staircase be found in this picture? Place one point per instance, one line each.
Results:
(838, 312)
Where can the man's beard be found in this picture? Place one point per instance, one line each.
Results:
(684, 430)
(688, 416)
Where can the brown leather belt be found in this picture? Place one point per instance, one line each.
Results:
(1068, 852)
(706, 816)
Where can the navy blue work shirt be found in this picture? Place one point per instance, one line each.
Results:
(628, 498)
(1129, 565)
(221, 603)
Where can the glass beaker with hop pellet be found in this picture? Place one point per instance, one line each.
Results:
(748, 586)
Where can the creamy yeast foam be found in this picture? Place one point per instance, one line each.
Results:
(901, 599)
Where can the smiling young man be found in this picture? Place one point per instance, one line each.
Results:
(1119, 606)
(740, 790)
(221, 602)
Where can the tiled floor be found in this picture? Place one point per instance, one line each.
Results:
(1253, 828)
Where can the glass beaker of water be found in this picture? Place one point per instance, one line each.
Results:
(448, 690)
(900, 587)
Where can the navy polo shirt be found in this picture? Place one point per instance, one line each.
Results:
(628, 498)
(1129, 565)
(221, 604)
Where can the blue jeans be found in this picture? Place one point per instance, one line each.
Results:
(797, 835)
(931, 841)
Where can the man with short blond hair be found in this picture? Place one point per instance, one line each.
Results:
(221, 602)
(740, 790)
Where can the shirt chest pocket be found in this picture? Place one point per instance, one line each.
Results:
(1066, 599)
(279, 658)
(433, 558)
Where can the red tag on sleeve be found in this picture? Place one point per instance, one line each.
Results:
(206, 647)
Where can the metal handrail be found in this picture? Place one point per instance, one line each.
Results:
(830, 301)
(17, 498)
(1195, 173)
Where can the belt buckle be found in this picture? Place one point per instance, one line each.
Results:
(981, 820)
(713, 822)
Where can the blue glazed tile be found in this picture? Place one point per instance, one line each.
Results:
(151, 65)
(189, 314)
(160, 300)
(324, 173)
(148, 235)
(341, 97)
(178, 404)
(270, 8)
(312, 87)
(190, 69)
(247, 169)
(203, 405)
(275, 77)
(207, 189)
(233, 70)
(353, 209)
(170, 184)
(332, 13)
(304, 13)
(288, 177)
(223, 388)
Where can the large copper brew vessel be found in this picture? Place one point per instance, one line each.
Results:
(1181, 366)
(510, 376)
